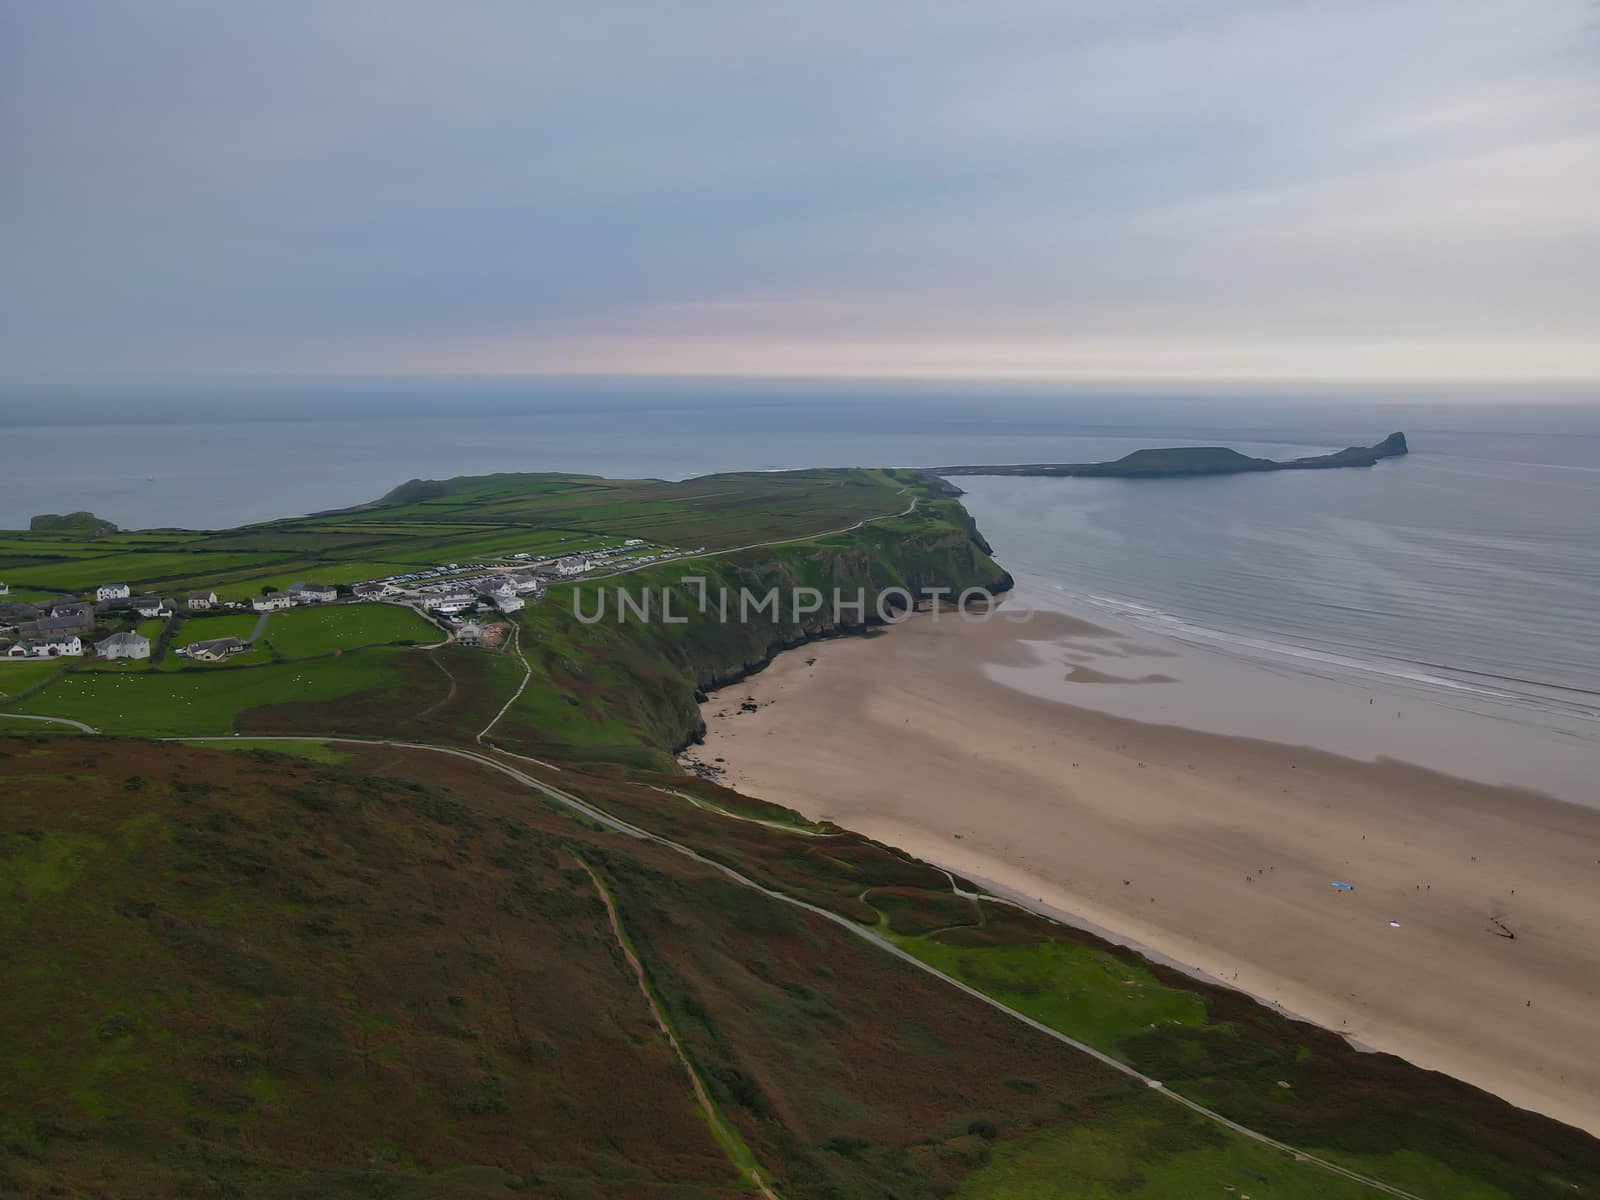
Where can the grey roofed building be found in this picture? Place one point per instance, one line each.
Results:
(214, 649)
(123, 645)
(69, 606)
(47, 626)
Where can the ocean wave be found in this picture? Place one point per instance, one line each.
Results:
(1546, 697)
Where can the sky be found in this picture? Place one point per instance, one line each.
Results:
(1165, 190)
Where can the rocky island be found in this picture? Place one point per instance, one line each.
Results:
(1175, 461)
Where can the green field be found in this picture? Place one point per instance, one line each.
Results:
(204, 628)
(204, 700)
(1149, 1150)
(17, 676)
(1096, 997)
(305, 632)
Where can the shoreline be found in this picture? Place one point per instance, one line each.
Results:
(1212, 852)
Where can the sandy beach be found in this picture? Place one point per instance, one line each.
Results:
(985, 748)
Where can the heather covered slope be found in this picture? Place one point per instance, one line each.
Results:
(241, 973)
(238, 973)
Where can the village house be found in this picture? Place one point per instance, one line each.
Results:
(214, 649)
(58, 646)
(200, 601)
(150, 606)
(113, 591)
(508, 604)
(272, 602)
(72, 609)
(449, 602)
(123, 645)
(313, 593)
(51, 626)
(496, 585)
(525, 584)
(5, 588)
(561, 568)
(471, 634)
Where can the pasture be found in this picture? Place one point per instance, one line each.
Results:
(307, 632)
(205, 700)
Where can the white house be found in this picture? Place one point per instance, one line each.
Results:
(449, 602)
(123, 645)
(58, 646)
(112, 591)
(199, 601)
(313, 593)
(525, 584)
(508, 604)
(150, 606)
(272, 602)
(5, 588)
(470, 634)
(374, 591)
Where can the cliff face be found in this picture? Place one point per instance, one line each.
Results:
(638, 651)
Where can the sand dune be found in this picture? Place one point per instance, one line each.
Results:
(1215, 851)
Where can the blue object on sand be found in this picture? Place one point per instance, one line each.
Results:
(1344, 887)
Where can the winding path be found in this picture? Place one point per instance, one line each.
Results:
(724, 1132)
(53, 720)
(527, 674)
(601, 817)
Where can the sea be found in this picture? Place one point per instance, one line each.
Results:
(1468, 571)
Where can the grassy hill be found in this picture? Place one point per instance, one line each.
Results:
(460, 520)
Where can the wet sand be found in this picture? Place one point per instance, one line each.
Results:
(1212, 850)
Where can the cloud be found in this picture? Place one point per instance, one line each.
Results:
(1012, 187)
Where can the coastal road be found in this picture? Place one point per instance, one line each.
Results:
(616, 824)
(805, 537)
